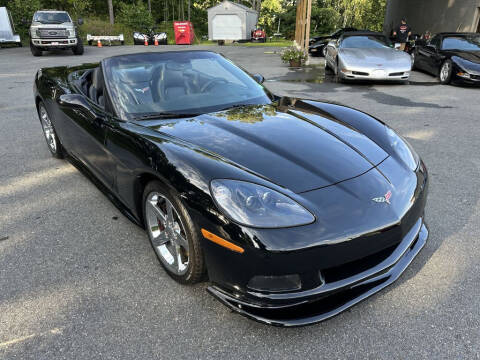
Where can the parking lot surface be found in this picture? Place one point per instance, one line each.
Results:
(79, 281)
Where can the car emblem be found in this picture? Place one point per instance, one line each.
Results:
(53, 33)
(143, 91)
(384, 199)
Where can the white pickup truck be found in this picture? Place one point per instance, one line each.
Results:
(52, 29)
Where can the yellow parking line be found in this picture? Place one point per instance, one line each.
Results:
(23, 338)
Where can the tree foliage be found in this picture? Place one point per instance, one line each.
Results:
(327, 15)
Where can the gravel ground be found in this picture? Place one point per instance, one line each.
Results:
(80, 281)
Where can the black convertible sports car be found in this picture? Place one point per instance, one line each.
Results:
(295, 209)
(318, 44)
(453, 57)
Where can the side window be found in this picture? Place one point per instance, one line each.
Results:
(95, 87)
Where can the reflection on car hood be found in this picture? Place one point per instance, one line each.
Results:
(374, 57)
(298, 150)
(472, 56)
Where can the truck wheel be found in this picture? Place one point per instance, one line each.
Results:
(35, 51)
(90, 42)
(19, 44)
(122, 42)
(78, 50)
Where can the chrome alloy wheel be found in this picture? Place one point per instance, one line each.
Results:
(48, 129)
(167, 233)
(445, 71)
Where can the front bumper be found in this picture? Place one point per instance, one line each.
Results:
(54, 43)
(329, 299)
(375, 74)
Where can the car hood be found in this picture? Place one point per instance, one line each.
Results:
(294, 149)
(374, 57)
(472, 56)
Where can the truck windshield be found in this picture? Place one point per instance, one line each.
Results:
(51, 18)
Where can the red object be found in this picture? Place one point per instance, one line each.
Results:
(183, 32)
(259, 35)
(146, 41)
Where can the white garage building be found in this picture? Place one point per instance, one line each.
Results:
(231, 21)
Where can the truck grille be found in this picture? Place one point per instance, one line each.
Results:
(53, 33)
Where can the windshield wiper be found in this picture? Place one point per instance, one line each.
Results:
(162, 115)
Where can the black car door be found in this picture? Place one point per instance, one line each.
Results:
(430, 56)
(86, 127)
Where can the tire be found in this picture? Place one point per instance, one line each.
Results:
(19, 44)
(90, 42)
(338, 78)
(35, 51)
(122, 42)
(328, 69)
(445, 73)
(413, 56)
(78, 50)
(179, 239)
(51, 137)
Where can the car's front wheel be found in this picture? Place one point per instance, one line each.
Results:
(78, 49)
(446, 72)
(35, 51)
(51, 137)
(324, 51)
(172, 234)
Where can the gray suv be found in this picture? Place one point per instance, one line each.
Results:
(52, 29)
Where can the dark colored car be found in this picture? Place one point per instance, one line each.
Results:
(295, 209)
(453, 57)
(318, 44)
(150, 35)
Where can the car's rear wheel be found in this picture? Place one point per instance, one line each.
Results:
(51, 137)
(172, 234)
(446, 72)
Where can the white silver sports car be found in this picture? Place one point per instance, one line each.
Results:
(367, 56)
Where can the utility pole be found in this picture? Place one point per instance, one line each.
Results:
(150, 6)
(189, 4)
(110, 12)
(302, 29)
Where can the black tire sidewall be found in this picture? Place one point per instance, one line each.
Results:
(35, 51)
(196, 266)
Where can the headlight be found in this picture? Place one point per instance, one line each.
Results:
(403, 149)
(257, 206)
(71, 33)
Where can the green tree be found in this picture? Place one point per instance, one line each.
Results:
(135, 16)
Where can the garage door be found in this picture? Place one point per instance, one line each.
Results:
(227, 27)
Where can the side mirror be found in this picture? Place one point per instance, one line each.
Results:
(259, 78)
(80, 21)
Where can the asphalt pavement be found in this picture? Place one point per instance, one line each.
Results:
(78, 280)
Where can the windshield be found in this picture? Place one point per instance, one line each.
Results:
(183, 83)
(468, 43)
(51, 18)
(367, 41)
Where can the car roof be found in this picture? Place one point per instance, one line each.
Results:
(362, 33)
(163, 52)
(456, 33)
(51, 11)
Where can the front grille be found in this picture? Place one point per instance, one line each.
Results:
(355, 267)
(53, 33)
(359, 73)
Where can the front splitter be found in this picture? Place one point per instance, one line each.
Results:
(303, 312)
